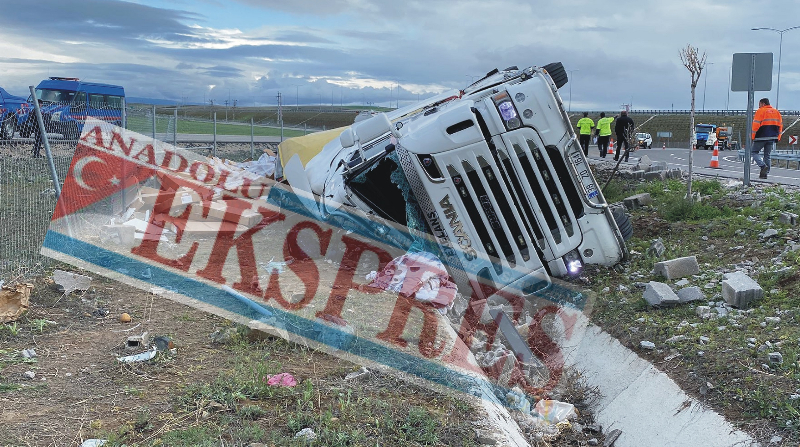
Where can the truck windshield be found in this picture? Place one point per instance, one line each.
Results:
(60, 96)
(703, 129)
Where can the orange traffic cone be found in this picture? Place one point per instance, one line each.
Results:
(611, 147)
(694, 147)
(714, 157)
(664, 146)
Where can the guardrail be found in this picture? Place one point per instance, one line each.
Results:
(788, 156)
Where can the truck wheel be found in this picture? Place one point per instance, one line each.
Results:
(558, 73)
(623, 222)
(8, 127)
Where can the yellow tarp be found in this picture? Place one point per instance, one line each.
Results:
(307, 146)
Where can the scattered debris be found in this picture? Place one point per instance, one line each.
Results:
(775, 358)
(421, 275)
(788, 218)
(143, 357)
(356, 375)
(637, 201)
(14, 301)
(647, 345)
(125, 318)
(222, 336)
(678, 268)
(94, 442)
(136, 341)
(592, 441)
(275, 266)
(657, 248)
(283, 380)
(675, 339)
(29, 375)
(769, 233)
(163, 343)
(68, 282)
(29, 353)
(612, 437)
(516, 400)
(554, 411)
(307, 433)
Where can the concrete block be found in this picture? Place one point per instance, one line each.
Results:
(689, 294)
(788, 219)
(637, 201)
(678, 268)
(739, 290)
(637, 174)
(676, 173)
(660, 294)
(657, 166)
(644, 163)
(655, 175)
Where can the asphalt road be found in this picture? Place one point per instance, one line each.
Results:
(730, 166)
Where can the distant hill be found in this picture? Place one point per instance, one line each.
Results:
(158, 102)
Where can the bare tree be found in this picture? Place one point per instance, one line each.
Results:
(695, 63)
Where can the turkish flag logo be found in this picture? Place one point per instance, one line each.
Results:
(95, 175)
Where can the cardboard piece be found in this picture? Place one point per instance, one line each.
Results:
(14, 301)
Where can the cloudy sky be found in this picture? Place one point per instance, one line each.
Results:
(362, 51)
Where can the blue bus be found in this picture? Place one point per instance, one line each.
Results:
(67, 102)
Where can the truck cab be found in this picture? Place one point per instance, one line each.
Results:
(705, 135)
(494, 174)
(67, 102)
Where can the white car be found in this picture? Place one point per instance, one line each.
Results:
(644, 140)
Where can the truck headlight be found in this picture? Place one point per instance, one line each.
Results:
(507, 110)
(573, 262)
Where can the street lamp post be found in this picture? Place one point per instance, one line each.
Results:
(570, 89)
(780, 50)
(705, 84)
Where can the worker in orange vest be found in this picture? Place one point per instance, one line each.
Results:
(767, 130)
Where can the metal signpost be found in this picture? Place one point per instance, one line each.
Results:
(751, 72)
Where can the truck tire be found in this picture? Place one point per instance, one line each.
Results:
(8, 127)
(558, 73)
(623, 221)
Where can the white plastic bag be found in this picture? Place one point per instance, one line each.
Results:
(554, 411)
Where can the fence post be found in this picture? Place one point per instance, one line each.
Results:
(305, 128)
(154, 121)
(252, 141)
(43, 131)
(175, 128)
(214, 145)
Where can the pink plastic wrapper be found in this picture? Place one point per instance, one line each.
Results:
(282, 379)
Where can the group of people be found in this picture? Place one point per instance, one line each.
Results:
(767, 131)
(623, 128)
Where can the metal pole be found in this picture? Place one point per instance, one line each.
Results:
(728, 101)
(252, 142)
(748, 141)
(175, 128)
(48, 153)
(778, 94)
(214, 144)
(154, 121)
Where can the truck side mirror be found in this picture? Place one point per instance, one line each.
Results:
(347, 138)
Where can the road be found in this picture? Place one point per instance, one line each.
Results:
(730, 166)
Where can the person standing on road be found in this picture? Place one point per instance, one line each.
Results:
(37, 133)
(623, 129)
(585, 126)
(767, 130)
(603, 133)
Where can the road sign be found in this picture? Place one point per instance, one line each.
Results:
(664, 135)
(793, 139)
(759, 65)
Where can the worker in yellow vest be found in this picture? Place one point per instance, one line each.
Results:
(603, 133)
(585, 126)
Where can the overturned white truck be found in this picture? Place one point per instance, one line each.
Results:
(494, 173)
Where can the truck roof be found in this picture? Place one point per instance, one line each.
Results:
(72, 84)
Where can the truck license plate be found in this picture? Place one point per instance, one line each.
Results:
(585, 175)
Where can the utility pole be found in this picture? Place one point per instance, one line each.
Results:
(226, 109)
(280, 113)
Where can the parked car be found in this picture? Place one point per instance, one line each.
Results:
(67, 102)
(644, 140)
(13, 113)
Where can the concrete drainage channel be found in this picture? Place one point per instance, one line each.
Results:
(644, 403)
